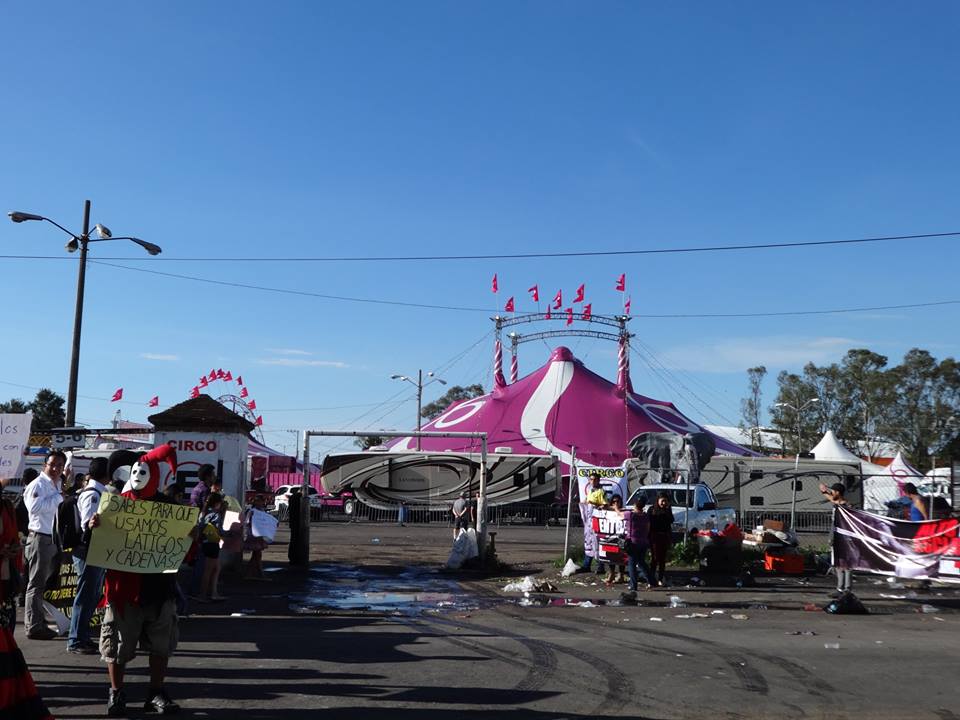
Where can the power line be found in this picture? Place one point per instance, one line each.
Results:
(458, 308)
(522, 256)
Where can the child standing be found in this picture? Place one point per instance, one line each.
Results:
(211, 532)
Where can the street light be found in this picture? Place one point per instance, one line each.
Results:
(796, 463)
(419, 384)
(80, 242)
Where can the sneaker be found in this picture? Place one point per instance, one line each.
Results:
(160, 703)
(117, 704)
(43, 634)
(83, 649)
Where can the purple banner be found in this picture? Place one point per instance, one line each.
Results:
(928, 550)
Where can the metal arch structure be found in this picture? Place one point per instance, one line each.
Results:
(622, 338)
(238, 405)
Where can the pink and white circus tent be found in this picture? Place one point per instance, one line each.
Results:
(555, 408)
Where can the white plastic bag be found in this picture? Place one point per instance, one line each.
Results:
(569, 569)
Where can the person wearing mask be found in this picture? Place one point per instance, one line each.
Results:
(661, 537)
(89, 578)
(42, 498)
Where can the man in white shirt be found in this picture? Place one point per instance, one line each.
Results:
(42, 498)
(89, 578)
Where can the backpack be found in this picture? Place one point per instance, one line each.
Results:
(22, 515)
(67, 533)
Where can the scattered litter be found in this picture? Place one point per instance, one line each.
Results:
(699, 615)
(683, 617)
(577, 582)
(879, 642)
(677, 602)
(656, 619)
(717, 612)
(939, 619)
(927, 609)
(273, 569)
(831, 646)
(893, 597)
(525, 585)
(846, 604)
(238, 614)
(801, 632)
(811, 607)
(758, 606)
(375, 541)
(569, 569)
(738, 616)
(587, 604)
(679, 654)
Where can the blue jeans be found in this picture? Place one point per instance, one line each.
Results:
(637, 556)
(89, 592)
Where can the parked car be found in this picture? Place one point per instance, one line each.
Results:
(318, 501)
(704, 513)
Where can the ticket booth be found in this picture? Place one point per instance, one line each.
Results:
(204, 431)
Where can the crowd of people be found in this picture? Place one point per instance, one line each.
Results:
(646, 531)
(139, 609)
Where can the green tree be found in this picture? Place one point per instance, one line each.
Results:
(15, 405)
(47, 409)
(866, 394)
(454, 394)
(793, 392)
(751, 409)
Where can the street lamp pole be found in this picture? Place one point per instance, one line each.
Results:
(796, 462)
(80, 243)
(419, 385)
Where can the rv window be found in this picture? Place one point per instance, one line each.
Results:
(756, 474)
(541, 476)
(518, 480)
(756, 499)
(798, 485)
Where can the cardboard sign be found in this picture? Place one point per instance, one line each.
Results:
(14, 438)
(263, 525)
(61, 589)
(609, 527)
(141, 536)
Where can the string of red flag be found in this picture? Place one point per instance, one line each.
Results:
(579, 296)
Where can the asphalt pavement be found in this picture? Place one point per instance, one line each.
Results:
(374, 629)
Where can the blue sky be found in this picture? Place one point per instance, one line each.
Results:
(319, 129)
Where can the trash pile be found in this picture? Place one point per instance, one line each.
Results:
(530, 584)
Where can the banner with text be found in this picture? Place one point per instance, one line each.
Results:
(928, 550)
(14, 439)
(141, 536)
(610, 529)
(613, 480)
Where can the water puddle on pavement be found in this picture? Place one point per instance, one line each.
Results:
(405, 591)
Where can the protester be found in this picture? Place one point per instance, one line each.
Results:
(18, 694)
(661, 537)
(255, 545)
(206, 476)
(141, 608)
(42, 498)
(919, 505)
(461, 514)
(615, 574)
(211, 533)
(596, 498)
(835, 494)
(638, 542)
(89, 578)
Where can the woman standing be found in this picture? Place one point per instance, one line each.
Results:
(615, 574)
(638, 542)
(661, 528)
(18, 694)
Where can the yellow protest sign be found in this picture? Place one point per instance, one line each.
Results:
(141, 536)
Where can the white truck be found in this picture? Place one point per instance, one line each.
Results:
(703, 510)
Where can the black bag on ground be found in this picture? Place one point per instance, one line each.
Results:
(846, 604)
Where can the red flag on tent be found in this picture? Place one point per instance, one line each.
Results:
(547, 316)
(243, 392)
(494, 287)
(195, 392)
(626, 307)
(154, 401)
(220, 374)
(558, 300)
(259, 420)
(252, 404)
(569, 316)
(212, 376)
(118, 395)
(239, 379)
(535, 293)
(203, 381)
(509, 306)
(587, 311)
(580, 292)
(227, 376)
(622, 282)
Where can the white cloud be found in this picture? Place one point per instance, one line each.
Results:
(287, 351)
(300, 362)
(777, 352)
(156, 356)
